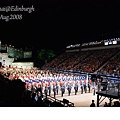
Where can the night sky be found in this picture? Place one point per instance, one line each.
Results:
(58, 23)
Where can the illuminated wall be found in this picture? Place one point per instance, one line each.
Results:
(23, 64)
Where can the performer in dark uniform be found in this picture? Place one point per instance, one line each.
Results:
(46, 91)
(62, 90)
(40, 89)
(94, 90)
(99, 86)
(81, 85)
(49, 89)
(76, 88)
(69, 89)
(42, 86)
(85, 87)
(57, 88)
(54, 90)
(89, 87)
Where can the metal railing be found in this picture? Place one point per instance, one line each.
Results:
(63, 102)
(109, 88)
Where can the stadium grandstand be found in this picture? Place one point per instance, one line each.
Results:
(89, 68)
(92, 57)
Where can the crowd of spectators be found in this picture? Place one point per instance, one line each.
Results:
(114, 104)
(112, 66)
(73, 60)
(96, 59)
(87, 61)
(58, 60)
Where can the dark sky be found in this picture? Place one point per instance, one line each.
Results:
(57, 23)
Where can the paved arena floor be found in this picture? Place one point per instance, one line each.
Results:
(81, 100)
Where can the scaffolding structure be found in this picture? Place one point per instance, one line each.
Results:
(109, 90)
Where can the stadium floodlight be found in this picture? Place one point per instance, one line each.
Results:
(114, 42)
(110, 42)
(105, 43)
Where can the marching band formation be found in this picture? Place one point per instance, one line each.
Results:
(48, 81)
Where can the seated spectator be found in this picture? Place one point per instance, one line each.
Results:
(92, 104)
(105, 105)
